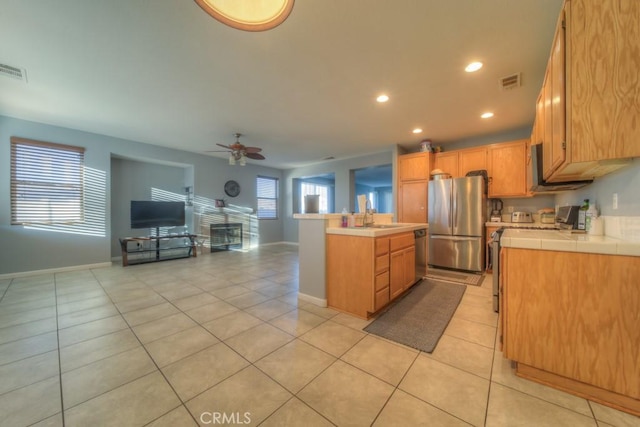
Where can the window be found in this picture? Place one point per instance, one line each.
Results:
(47, 183)
(267, 191)
(308, 188)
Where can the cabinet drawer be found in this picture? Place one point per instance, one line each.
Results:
(382, 246)
(382, 263)
(381, 299)
(401, 241)
(382, 280)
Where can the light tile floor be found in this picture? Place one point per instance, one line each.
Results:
(223, 338)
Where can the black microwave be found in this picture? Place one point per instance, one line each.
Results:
(539, 185)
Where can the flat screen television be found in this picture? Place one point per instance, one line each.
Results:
(149, 214)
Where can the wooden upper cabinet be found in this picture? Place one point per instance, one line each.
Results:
(459, 162)
(556, 155)
(595, 102)
(413, 179)
(507, 163)
(414, 166)
(447, 162)
(472, 159)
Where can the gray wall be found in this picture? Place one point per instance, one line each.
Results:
(27, 249)
(625, 182)
(133, 180)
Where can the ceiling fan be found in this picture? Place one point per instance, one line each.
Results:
(239, 153)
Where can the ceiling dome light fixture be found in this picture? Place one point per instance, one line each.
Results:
(248, 15)
(382, 98)
(417, 130)
(473, 67)
(487, 115)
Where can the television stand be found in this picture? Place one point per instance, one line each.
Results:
(139, 250)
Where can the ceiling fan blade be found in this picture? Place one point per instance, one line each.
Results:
(216, 151)
(225, 146)
(255, 156)
(252, 149)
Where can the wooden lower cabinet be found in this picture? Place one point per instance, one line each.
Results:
(364, 274)
(570, 320)
(402, 260)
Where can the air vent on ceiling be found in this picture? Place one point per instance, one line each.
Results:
(13, 72)
(510, 82)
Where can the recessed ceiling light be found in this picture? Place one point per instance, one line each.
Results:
(382, 98)
(487, 115)
(473, 67)
(417, 130)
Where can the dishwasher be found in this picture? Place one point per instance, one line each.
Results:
(421, 253)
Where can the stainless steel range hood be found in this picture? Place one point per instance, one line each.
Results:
(538, 183)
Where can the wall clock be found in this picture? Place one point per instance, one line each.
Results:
(231, 188)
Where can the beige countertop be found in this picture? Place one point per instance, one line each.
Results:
(566, 241)
(385, 230)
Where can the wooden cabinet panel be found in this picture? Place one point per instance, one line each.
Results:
(447, 162)
(472, 159)
(580, 322)
(557, 70)
(401, 241)
(382, 280)
(382, 245)
(382, 263)
(409, 265)
(414, 166)
(396, 273)
(412, 201)
(382, 298)
(507, 169)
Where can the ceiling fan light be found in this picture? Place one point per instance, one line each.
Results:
(243, 161)
(232, 160)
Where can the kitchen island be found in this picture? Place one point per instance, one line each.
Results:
(314, 232)
(569, 313)
(367, 268)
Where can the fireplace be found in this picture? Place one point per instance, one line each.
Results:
(225, 237)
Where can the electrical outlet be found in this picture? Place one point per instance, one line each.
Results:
(510, 209)
(615, 200)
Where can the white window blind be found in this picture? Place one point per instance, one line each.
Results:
(267, 191)
(47, 182)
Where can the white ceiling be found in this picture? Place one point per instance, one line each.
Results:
(164, 72)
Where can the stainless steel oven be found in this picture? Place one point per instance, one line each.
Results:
(495, 261)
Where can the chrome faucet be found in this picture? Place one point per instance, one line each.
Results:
(367, 211)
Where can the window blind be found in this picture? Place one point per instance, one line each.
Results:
(267, 192)
(47, 182)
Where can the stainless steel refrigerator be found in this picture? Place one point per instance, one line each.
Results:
(456, 223)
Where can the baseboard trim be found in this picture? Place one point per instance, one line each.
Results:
(313, 300)
(54, 270)
(279, 243)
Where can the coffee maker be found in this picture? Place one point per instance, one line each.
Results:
(496, 210)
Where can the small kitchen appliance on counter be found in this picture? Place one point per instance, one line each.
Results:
(496, 210)
(567, 217)
(521, 217)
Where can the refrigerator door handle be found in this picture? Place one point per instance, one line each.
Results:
(456, 238)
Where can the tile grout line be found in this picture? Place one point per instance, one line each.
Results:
(55, 293)
(149, 355)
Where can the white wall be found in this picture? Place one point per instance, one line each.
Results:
(24, 249)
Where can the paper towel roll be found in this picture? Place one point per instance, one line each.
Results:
(597, 227)
(362, 203)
